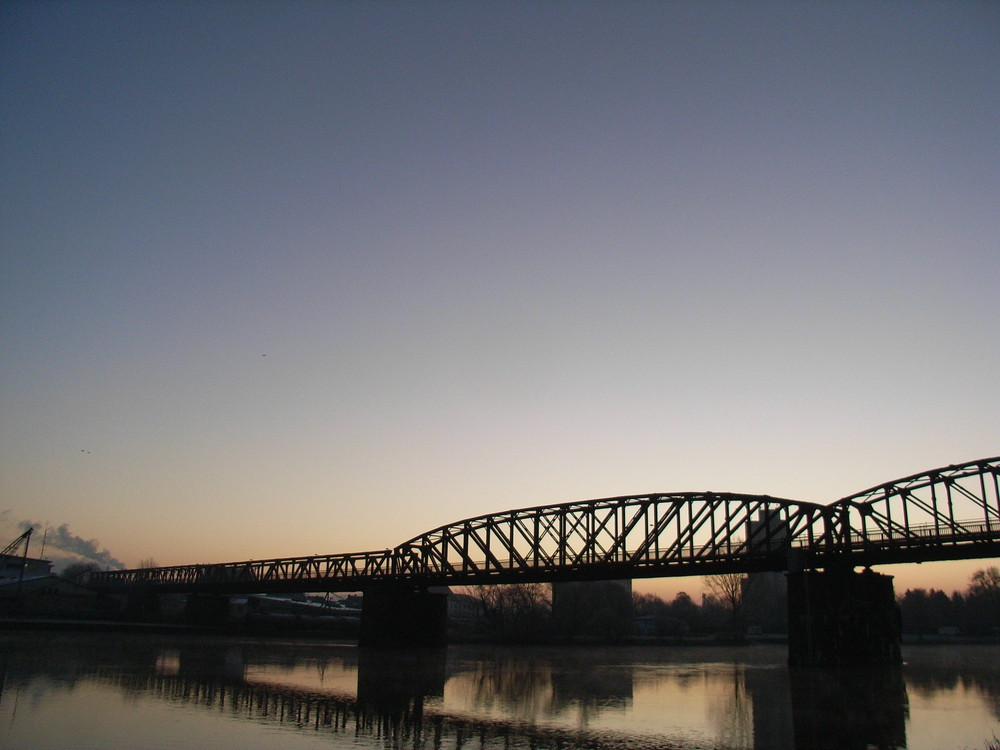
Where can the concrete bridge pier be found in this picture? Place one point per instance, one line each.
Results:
(142, 605)
(207, 609)
(400, 614)
(839, 618)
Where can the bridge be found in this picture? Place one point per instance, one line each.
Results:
(947, 513)
(944, 514)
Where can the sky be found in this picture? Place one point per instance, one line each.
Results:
(285, 279)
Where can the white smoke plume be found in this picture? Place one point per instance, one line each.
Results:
(62, 538)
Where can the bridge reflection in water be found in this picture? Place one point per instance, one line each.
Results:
(765, 709)
(469, 698)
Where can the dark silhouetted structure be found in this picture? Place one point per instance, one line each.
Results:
(943, 514)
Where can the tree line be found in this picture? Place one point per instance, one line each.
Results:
(609, 611)
(974, 612)
(731, 606)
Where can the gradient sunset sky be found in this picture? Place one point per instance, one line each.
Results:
(292, 278)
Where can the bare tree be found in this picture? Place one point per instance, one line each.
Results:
(732, 592)
(517, 610)
(985, 582)
(983, 599)
(78, 572)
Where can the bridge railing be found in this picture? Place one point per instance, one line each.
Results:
(927, 534)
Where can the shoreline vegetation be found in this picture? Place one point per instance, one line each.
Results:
(307, 631)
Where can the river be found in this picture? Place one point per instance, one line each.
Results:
(147, 692)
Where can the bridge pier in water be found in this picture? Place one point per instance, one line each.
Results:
(207, 609)
(839, 618)
(142, 604)
(401, 614)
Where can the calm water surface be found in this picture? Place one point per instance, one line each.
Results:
(142, 691)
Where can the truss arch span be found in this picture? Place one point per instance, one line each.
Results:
(634, 536)
(950, 513)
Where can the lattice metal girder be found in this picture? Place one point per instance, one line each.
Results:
(598, 527)
(257, 573)
(973, 469)
(947, 499)
(660, 523)
(546, 528)
(696, 525)
(504, 532)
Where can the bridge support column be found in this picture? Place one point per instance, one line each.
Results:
(403, 615)
(842, 618)
(207, 609)
(142, 606)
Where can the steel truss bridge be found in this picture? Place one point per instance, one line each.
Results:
(949, 513)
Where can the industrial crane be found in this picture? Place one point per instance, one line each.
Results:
(11, 551)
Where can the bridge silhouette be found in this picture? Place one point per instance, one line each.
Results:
(947, 513)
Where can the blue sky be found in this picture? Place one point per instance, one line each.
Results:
(285, 279)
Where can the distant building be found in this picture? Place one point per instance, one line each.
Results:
(33, 567)
(464, 611)
(768, 531)
(28, 587)
(767, 593)
(47, 596)
(353, 601)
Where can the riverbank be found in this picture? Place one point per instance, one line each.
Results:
(97, 626)
(120, 626)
